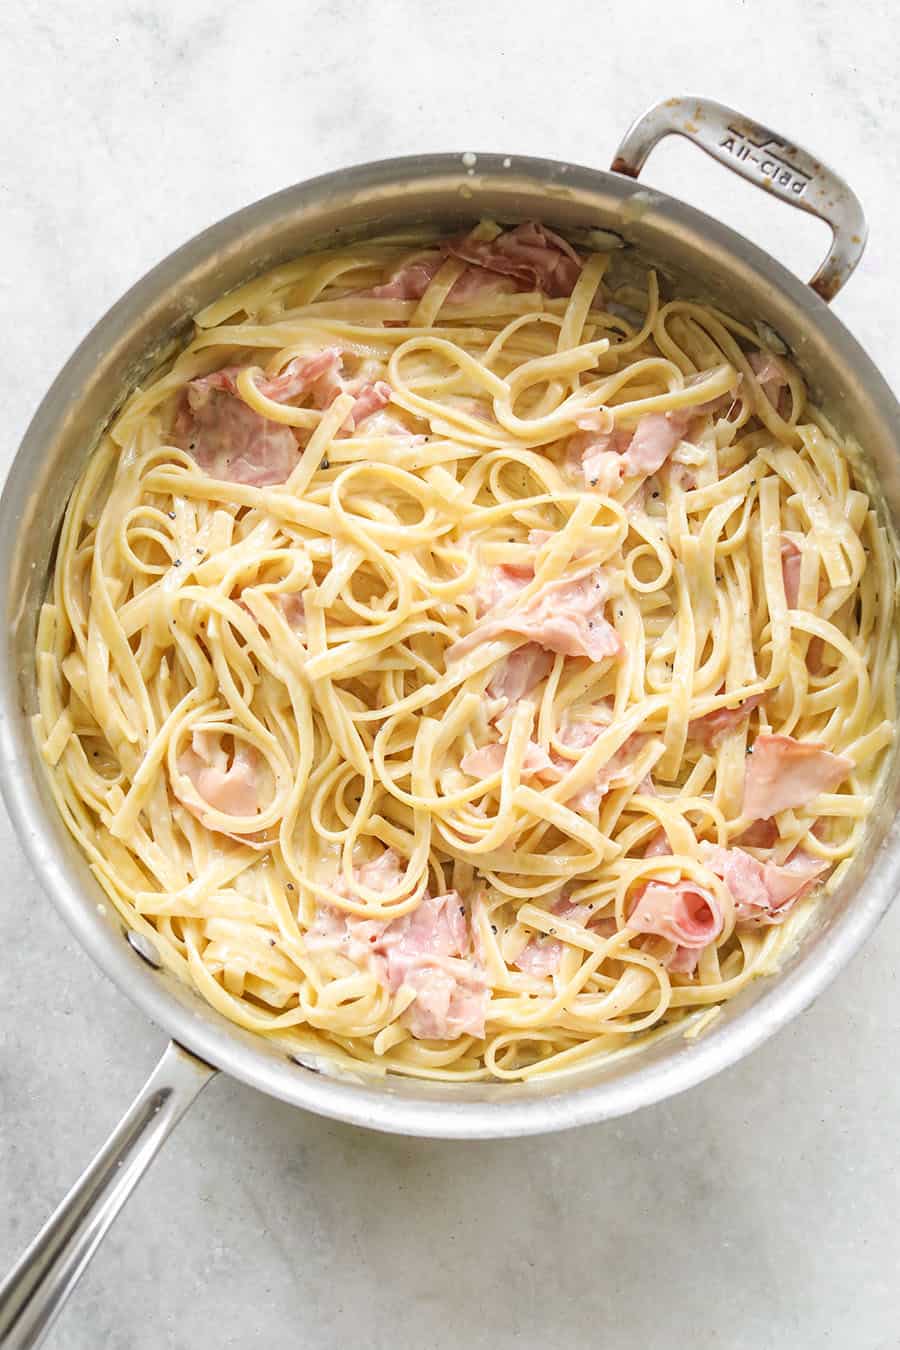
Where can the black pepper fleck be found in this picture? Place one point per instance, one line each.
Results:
(177, 562)
(171, 515)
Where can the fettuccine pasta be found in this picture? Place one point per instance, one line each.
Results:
(462, 661)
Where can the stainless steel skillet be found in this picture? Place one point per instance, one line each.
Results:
(700, 256)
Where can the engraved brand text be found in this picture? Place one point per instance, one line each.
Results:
(769, 157)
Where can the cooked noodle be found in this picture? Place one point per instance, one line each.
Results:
(257, 696)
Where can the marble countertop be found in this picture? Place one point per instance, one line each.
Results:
(759, 1210)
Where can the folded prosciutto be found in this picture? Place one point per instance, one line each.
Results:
(606, 458)
(426, 951)
(783, 772)
(565, 616)
(763, 892)
(229, 787)
(233, 442)
(683, 913)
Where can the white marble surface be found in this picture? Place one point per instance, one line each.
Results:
(757, 1211)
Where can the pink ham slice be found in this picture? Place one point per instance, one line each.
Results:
(354, 937)
(231, 441)
(531, 254)
(712, 729)
(783, 772)
(501, 586)
(369, 399)
(564, 616)
(299, 377)
(552, 768)
(761, 834)
(771, 374)
(436, 928)
(606, 458)
(567, 617)
(231, 788)
(294, 610)
(520, 672)
(791, 561)
(451, 1000)
(425, 950)
(763, 892)
(682, 912)
(658, 847)
(542, 955)
(383, 873)
(475, 284)
(410, 282)
(489, 759)
(579, 736)
(655, 437)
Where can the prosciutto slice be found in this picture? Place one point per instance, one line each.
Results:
(553, 768)
(529, 257)
(410, 282)
(606, 458)
(783, 772)
(791, 561)
(564, 616)
(763, 892)
(531, 254)
(501, 586)
(233, 442)
(579, 736)
(425, 950)
(229, 787)
(682, 912)
(489, 759)
(520, 672)
(712, 729)
(383, 873)
(771, 374)
(542, 955)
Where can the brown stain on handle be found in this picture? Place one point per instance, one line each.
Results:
(620, 165)
(827, 286)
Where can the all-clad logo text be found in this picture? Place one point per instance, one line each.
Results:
(769, 157)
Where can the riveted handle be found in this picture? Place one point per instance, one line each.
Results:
(766, 159)
(33, 1293)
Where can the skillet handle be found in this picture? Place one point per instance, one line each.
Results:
(766, 159)
(36, 1288)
